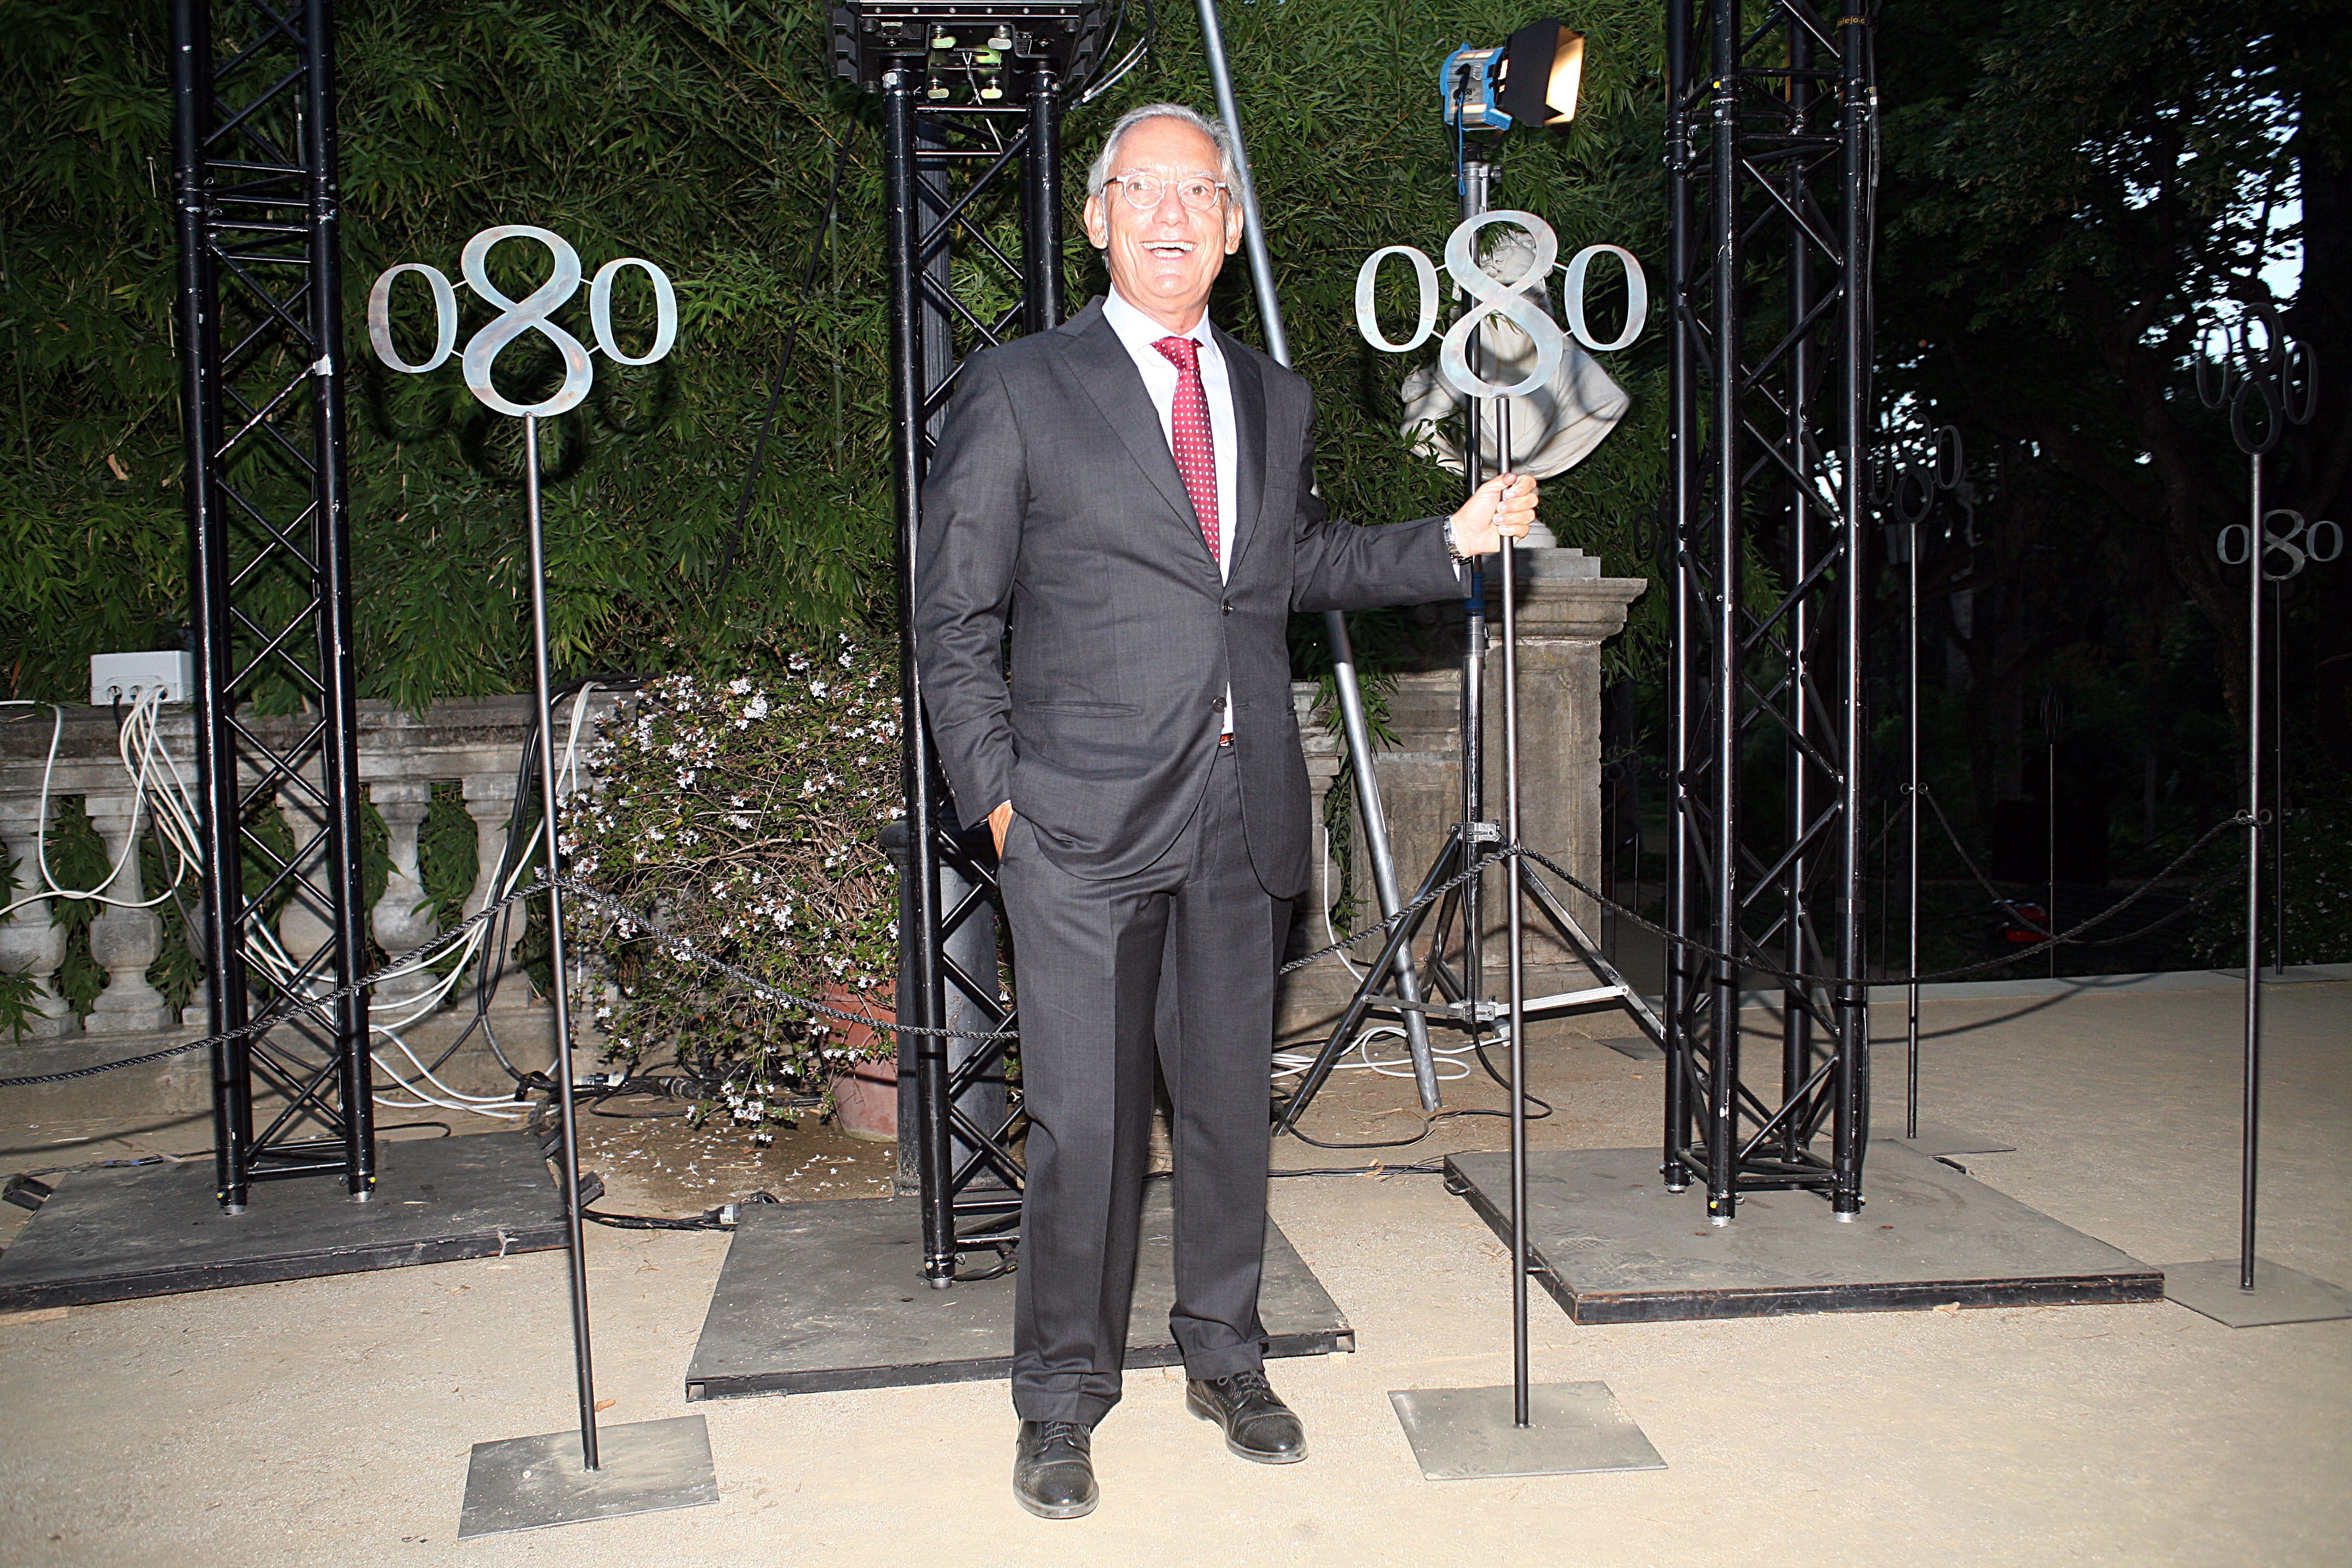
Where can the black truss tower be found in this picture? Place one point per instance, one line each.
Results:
(260, 331)
(962, 177)
(1771, 130)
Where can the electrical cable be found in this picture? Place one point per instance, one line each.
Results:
(1134, 55)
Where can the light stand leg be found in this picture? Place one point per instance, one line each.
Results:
(523, 1483)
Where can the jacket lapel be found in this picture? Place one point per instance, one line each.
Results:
(1242, 374)
(1107, 373)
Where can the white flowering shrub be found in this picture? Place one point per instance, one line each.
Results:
(743, 816)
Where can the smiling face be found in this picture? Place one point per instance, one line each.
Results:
(1164, 260)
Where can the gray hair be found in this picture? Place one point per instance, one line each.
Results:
(1099, 172)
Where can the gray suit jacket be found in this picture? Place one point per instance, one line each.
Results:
(1053, 499)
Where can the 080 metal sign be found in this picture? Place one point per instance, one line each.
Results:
(516, 317)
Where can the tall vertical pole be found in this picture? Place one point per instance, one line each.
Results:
(1507, 589)
(1911, 829)
(1681, 448)
(1724, 241)
(926, 981)
(338, 635)
(2252, 1131)
(1804, 618)
(1371, 820)
(573, 1232)
(210, 615)
(1477, 173)
(1850, 1123)
(1041, 192)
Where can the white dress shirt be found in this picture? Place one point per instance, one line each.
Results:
(1139, 333)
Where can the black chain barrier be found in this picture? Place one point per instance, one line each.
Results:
(679, 947)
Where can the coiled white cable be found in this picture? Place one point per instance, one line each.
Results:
(172, 808)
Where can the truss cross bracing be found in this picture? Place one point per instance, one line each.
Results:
(1771, 130)
(260, 340)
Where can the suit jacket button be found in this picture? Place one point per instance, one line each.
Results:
(1229, 606)
(1219, 705)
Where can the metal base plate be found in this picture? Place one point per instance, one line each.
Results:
(1613, 1246)
(1468, 1433)
(155, 1230)
(646, 1467)
(2280, 1295)
(825, 1296)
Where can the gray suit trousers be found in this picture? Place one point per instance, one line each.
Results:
(1173, 962)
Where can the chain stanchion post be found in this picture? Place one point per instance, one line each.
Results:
(584, 1363)
(2250, 1163)
(2281, 376)
(1507, 589)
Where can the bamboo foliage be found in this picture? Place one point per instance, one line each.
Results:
(701, 134)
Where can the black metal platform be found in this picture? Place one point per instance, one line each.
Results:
(155, 1230)
(823, 1296)
(1613, 1246)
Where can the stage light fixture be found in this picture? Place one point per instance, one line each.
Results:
(1531, 78)
(971, 53)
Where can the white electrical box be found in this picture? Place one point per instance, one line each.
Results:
(126, 676)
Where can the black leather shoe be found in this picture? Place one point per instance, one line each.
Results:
(1053, 1469)
(1258, 1424)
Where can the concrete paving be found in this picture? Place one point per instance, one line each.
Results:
(329, 1421)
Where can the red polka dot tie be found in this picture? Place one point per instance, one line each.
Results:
(1196, 454)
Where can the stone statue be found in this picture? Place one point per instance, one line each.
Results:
(1553, 426)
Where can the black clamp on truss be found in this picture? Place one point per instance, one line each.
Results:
(971, 105)
(1770, 135)
(260, 346)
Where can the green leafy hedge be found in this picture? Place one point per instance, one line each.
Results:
(700, 133)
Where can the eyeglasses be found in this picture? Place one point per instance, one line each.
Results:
(1197, 191)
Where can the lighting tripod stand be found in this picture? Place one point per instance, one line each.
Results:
(1457, 989)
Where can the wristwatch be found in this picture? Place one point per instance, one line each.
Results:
(1452, 549)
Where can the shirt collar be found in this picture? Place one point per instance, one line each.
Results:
(1137, 331)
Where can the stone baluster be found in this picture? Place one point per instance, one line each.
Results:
(124, 941)
(489, 801)
(403, 919)
(30, 945)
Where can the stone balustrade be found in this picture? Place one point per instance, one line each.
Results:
(474, 744)
(1567, 609)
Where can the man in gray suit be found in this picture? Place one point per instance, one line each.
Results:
(1133, 493)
